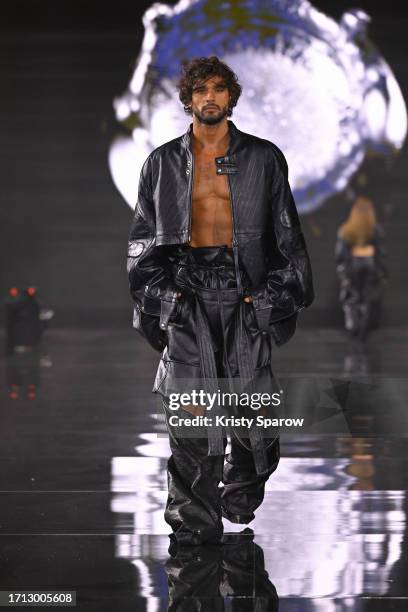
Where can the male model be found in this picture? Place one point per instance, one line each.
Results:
(218, 271)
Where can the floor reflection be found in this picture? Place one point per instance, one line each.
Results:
(199, 578)
(330, 526)
(337, 543)
(83, 486)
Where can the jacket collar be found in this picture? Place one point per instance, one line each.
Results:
(236, 137)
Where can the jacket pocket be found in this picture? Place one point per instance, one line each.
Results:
(182, 311)
(148, 326)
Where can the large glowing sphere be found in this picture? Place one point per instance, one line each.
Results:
(318, 89)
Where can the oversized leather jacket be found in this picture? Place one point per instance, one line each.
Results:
(267, 238)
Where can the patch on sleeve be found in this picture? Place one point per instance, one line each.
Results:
(135, 249)
(289, 220)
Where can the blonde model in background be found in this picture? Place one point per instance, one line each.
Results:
(360, 265)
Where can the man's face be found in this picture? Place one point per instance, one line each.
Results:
(209, 100)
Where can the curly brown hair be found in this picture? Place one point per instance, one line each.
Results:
(199, 70)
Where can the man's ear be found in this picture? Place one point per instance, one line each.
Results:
(229, 100)
(230, 106)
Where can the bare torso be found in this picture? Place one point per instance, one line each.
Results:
(363, 251)
(211, 215)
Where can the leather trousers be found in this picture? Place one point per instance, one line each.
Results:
(360, 296)
(214, 336)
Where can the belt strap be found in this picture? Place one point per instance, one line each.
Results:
(209, 375)
(247, 372)
(237, 270)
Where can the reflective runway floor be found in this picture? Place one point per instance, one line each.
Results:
(83, 485)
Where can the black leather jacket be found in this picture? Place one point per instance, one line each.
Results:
(267, 238)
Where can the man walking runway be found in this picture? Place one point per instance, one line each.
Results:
(218, 271)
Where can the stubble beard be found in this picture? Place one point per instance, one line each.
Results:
(211, 119)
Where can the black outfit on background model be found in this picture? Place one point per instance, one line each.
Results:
(212, 331)
(361, 283)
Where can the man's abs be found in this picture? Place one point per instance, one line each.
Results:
(211, 215)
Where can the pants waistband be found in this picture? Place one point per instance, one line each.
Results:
(207, 256)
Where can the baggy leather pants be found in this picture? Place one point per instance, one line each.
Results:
(360, 297)
(205, 334)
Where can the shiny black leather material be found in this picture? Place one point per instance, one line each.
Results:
(243, 489)
(214, 340)
(267, 238)
(206, 278)
(201, 577)
(361, 284)
(196, 503)
(360, 295)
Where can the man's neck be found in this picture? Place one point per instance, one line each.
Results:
(210, 136)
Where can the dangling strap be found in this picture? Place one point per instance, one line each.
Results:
(237, 270)
(209, 375)
(247, 372)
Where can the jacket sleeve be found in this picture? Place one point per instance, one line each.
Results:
(288, 287)
(150, 281)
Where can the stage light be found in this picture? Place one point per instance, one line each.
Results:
(31, 394)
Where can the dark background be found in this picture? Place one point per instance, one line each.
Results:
(64, 225)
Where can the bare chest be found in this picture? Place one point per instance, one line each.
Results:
(207, 183)
(211, 207)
